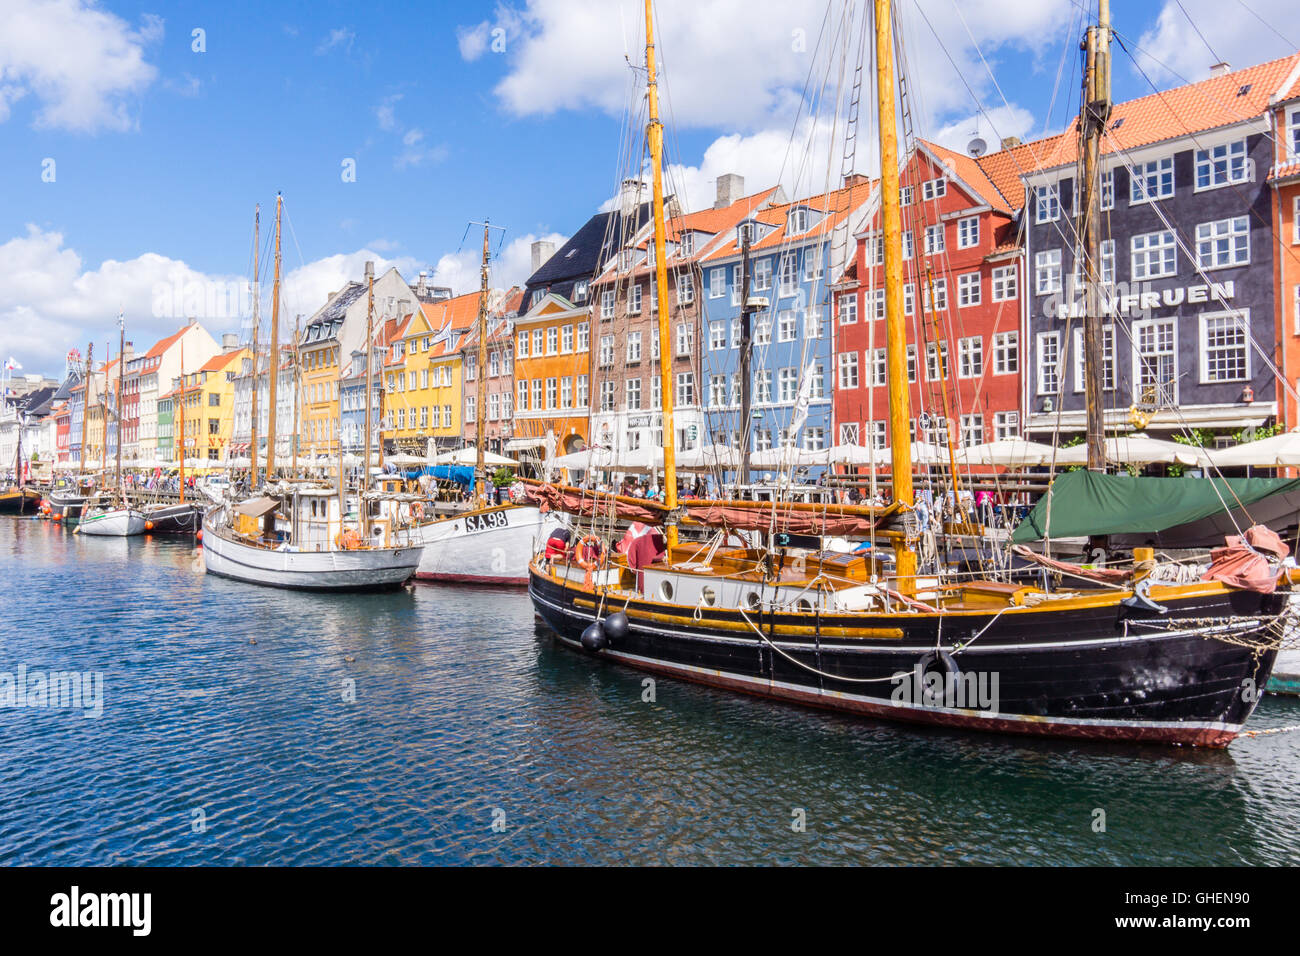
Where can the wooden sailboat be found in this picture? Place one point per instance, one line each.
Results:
(1121, 655)
(66, 500)
(19, 499)
(115, 518)
(297, 534)
(486, 544)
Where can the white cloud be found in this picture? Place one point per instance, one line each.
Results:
(473, 41)
(85, 65)
(52, 301)
(341, 37)
(992, 127)
(1173, 51)
(386, 112)
(415, 152)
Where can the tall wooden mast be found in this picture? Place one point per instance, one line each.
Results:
(103, 418)
(117, 412)
(181, 401)
(891, 222)
(480, 409)
(85, 401)
(370, 387)
(655, 134)
(1094, 112)
(273, 367)
(297, 390)
(257, 296)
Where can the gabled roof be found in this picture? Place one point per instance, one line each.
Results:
(835, 207)
(1211, 103)
(1005, 167)
(586, 252)
(971, 173)
(327, 320)
(162, 345)
(219, 361)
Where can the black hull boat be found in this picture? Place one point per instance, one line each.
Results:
(174, 519)
(67, 506)
(1090, 667)
(19, 501)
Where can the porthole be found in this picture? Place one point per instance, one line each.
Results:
(752, 601)
(666, 591)
(708, 595)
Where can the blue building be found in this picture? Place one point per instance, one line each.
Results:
(798, 251)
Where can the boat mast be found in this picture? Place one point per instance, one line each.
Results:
(182, 405)
(297, 389)
(655, 134)
(117, 412)
(370, 369)
(480, 410)
(257, 295)
(746, 354)
(895, 326)
(85, 401)
(103, 416)
(273, 368)
(1094, 112)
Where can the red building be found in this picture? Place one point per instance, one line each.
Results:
(63, 433)
(961, 248)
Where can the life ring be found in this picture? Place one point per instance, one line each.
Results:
(588, 544)
(347, 540)
(518, 492)
(417, 510)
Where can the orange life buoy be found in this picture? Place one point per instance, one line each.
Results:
(417, 509)
(589, 552)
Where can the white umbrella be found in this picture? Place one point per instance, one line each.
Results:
(1139, 448)
(1275, 452)
(640, 459)
(588, 458)
(469, 456)
(1007, 452)
(858, 455)
(401, 459)
(783, 456)
(709, 456)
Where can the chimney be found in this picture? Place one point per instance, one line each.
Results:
(1009, 142)
(855, 179)
(192, 320)
(229, 342)
(543, 249)
(421, 287)
(731, 187)
(629, 196)
(403, 307)
(1222, 68)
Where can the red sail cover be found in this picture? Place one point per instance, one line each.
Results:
(849, 521)
(1242, 563)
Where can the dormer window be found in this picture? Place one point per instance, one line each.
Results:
(625, 260)
(688, 244)
(797, 221)
(745, 233)
(580, 290)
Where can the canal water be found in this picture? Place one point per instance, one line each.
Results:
(441, 725)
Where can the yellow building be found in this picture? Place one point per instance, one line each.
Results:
(207, 399)
(423, 387)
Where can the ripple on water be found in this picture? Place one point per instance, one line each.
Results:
(226, 704)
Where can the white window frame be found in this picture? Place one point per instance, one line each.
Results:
(1139, 327)
(1162, 170)
(1242, 317)
(1210, 236)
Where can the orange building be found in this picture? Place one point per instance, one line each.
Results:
(1285, 180)
(552, 377)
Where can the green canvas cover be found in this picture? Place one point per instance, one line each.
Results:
(1086, 503)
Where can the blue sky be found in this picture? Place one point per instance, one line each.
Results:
(160, 152)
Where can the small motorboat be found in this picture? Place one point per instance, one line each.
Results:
(19, 501)
(112, 522)
(173, 519)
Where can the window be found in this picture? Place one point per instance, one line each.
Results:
(1293, 133)
(763, 330)
(606, 351)
(1047, 272)
(797, 221)
(934, 188)
(970, 357)
(812, 323)
(908, 247)
(940, 295)
(762, 279)
(909, 299)
(685, 288)
(580, 392)
(633, 389)
(789, 275)
(936, 360)
(1006, 353)
(566, 339)
(1225, 242)
(538, 384)
(717, 336)
(552, 340)
(763, 385)
(786, 325)
(1107, 359)
(1154, 255)
(1047, 203)
(1108, 261)
(1225, 347)
(812, 264)
(1156, 360)
(1221, 165)
(1004, 283)
(1006, 425)
(537, 342)
(634, 299)
(607, 304)
(934, 240)
(552, 393)
(788, 384)
(685, 388)
(737, 284)
(685, 338)
(968, 232)
(687, 245)
(584, 342)
(1153, 180)
(972, 430)
(580, 290)
(633, 347)
(606, 396)
(762, 439)
(717, 390)
(875, 249)
(814, 438)
(879, 368)
(911, 363)
(879, 434)
(968, 289)
(1108, 190)
(848, 433)
(1049, 363)
(717, 283)
(566, 392)
(848, 365)
(905, 196)
(849, 308)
